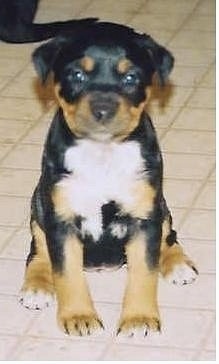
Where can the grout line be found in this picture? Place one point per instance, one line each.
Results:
(205, 339)
(190, 207)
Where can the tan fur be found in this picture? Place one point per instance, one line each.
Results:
(38, 275)
(76, 311)
(143, 199)
(140, 300)
(61, 203)
(68, 109)
(124, 65)
(87, 63)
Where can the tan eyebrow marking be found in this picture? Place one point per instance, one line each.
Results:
(87, 63)
(124, 65)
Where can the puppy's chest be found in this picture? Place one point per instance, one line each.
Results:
(100, 173)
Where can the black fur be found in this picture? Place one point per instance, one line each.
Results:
(16, 23)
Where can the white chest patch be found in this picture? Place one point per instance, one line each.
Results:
(100, 173)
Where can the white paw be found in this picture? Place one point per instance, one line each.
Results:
(35, 300)
(182, 274)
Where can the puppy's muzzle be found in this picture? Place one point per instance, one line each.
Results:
(104, 106)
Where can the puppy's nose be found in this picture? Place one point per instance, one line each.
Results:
(103, 108)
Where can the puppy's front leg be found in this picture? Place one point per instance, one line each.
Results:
(76, 312)
(140, 310)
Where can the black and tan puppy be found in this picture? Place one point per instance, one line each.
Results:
(99, 201)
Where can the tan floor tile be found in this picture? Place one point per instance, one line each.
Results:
(183, 141)
(11, 66)
(162, 118)
(210, 78)
(4, 149)
(18, 245)
(132, 352)
(200, 22)
(212, 178)
(192, 56)
(199, 224)
(177, 98)
(21, 87)
(177, 215)
(211, 340)
(111, 6)
(187, 39)
(5, 233)
(13, 210)
(7, 344)
(18, 182)
(206, 7)
(207, 197)
(37, 135)
(187, 313)
(39, 349)
(176, 323)
(190, 166)
(203, 97)
(207, 356)
(160, 37)
(152, 21)
(11, 131)
(180, 193)
(57, 10)
(15, 318)
(10, 283)
(112, 16)
(18, 52)
(170, 6)
(18, 108)
(203, 253)
(196, 119)
(107, 286)
(187, 76)
(24, 156)
(4, 81)
(190, 297)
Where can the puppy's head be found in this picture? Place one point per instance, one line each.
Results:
(101, 75)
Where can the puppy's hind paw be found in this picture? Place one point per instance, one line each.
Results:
(35, 300)
(182, 274)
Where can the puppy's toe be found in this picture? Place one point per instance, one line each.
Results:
(182, 274)
(80, 325)
(138, 326)
(35, 300)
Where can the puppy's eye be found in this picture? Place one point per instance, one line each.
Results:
(130, 79)
(79, 76)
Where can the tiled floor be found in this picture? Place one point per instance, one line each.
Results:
(186, 128)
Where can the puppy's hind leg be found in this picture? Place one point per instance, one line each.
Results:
(38, 289)
(175, 266)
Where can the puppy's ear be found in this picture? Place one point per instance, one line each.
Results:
(44, 57)
(162, 60)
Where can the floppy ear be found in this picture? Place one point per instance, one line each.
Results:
(162, 60)
(44, 57)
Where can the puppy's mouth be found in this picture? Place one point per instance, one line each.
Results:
(101, 116)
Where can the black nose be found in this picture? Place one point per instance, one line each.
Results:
(104, 107)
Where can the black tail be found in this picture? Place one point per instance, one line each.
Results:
(27, 33)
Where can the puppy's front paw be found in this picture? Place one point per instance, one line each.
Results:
(35, 299)
(138, 326)
(183, 273)
(79, 324)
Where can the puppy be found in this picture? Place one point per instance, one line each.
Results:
(16, 23)
(99, 201)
